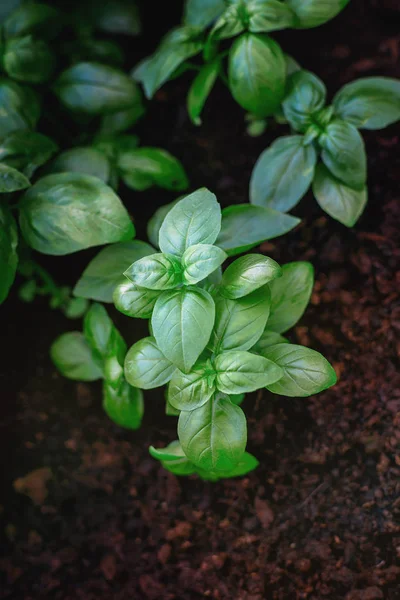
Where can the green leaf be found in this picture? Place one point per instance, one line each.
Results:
(269, 15)
(124, 406)
(312, 13)
(240, 372)
(248, 273)
(201, 260)
(196, 219)
(189, 391)
(145, 365)
(135, 301)
(28, 59)
(182, 322)
(245, 226)
(173, 452)
(369, 103)
(344, 153)
(201, 88)
(143, 168)
(201, 13)
(118, 17)
(177, 46)
(102, 336)
(306, 95)
(27, 150)
(83, 160)
(96, 89)
(305, 371)
(268, 338)
(156, 272)
(67, 212)
(247, 463)
(12, 180)
(32, 17)
(230, 23)
(154, 224)
(113, 372)
(290, 295)
(73, 357)
(76, 308)
(213, 436)
(92, 50)
(257, 73)
(105, 271)
(8, 251)
(239, 323)
(283, 173)
(19, 107)
(340, 201)
(122, 120)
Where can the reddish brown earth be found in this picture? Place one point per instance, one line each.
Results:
(87, 514)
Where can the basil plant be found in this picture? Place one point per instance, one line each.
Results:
(326, 150)
(57, 177)
(215, 336)
(98, 354)
(257, 66)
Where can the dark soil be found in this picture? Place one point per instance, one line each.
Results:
(87, 514)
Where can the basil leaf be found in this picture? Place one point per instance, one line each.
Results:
(187, 392)
(73, 357)
(229, 24)
(32, 17)
(340, 201)
(91, 50)
(213, 436)
(75, 308)
(290, 295)
(257, 73)
(154, 224)
(306, 95)
(212, 280)
(269, 15)
(122, 120)
(182, 322)
(67, 212)
(200, 89)
(268, 338)
(283, 173)
(312, 13)
(201, 13)
(8, 251)
(28, 59)
(105, 271)
(83, 160)
(102, 336)
(196, 219)
(177, 46)
(240, 372)
(12, 180)
(96, 89)
(19, 107)
(118, 17)
(369, 103)
(201, 260)
(26, 150)
(245, 226)
(145, 365)
(173, 452)
(142, 168)
(344, 153)
(156, 272)
(305, 371)
(247, 463)
(135, 301)
(239, 323)
(124, 406)
(248, 273)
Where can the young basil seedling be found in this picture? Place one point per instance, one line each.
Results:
(215, 336)
(327, 151)
(99, 353)
(257, 66)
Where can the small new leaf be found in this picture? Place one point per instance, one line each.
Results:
(248, 273)
(201, 260)
(241, 372)
(156, 272)
(145, 365)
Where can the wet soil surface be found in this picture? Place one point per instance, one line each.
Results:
(86, 513)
